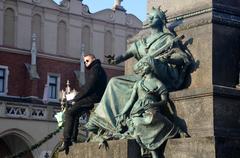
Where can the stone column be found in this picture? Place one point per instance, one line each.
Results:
(210, 107)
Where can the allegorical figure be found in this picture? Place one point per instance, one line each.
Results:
(142, 118)
(91, 92)
(168, 64)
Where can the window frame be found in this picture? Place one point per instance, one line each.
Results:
(57, 86)
(6, 74)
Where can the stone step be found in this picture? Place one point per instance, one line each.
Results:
(198, 147)
(117, 149)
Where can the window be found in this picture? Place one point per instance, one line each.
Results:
(9, 27)
(61, 41)
(108, 44)
(86, 38)
(53, 86)
(3, 79)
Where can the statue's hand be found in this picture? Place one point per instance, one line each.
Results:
(121, 122)
(111, 59)
(120, 118)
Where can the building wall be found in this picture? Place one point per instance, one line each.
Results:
(24, 95)
(76, 16)
(20, 84)
(119, 23)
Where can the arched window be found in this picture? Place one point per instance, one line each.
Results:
(108, 44)
(86, 38)
(36, 28)
(9, 27)
(61, 39)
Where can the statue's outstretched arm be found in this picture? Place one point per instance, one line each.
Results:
(121, 58)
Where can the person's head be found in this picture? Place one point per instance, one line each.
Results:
(157, 18)
(88, 59)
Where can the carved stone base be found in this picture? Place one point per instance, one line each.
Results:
(205, 147)
(117, 149)
(212, 111)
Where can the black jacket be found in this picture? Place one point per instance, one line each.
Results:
(96, 82)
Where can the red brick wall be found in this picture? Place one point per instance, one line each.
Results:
(19, 83)
(17, 72)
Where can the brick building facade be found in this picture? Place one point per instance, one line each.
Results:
(61, 31)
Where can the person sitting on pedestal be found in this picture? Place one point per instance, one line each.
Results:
(91, 92)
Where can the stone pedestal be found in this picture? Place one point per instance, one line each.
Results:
(203, 147)
(117, 149)
(210, 106)
(196, 147)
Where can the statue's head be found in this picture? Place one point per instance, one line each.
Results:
(144, 66)
(157, 17)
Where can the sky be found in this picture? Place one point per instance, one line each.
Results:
(139, 9)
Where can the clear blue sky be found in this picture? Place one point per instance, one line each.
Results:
(136, 7)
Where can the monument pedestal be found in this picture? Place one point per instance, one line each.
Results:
(195, 147)
(117, 149)
(203, 147)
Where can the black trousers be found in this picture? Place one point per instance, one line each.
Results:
(72, 118)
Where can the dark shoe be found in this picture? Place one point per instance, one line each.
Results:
(65, 147)
(74, 140)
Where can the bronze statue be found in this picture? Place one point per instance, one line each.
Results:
(131, 102)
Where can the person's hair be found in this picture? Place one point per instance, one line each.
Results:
(90, 55)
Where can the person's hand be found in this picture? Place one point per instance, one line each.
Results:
(111, 59)
(163, 59)
(71, 102)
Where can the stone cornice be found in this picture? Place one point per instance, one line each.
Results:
(189, 14)
(219, 14)
(216, 8)
(211, 91)
(54, 57)
(226, 19)
(191, 93)
(194, 23)
(40, 54)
